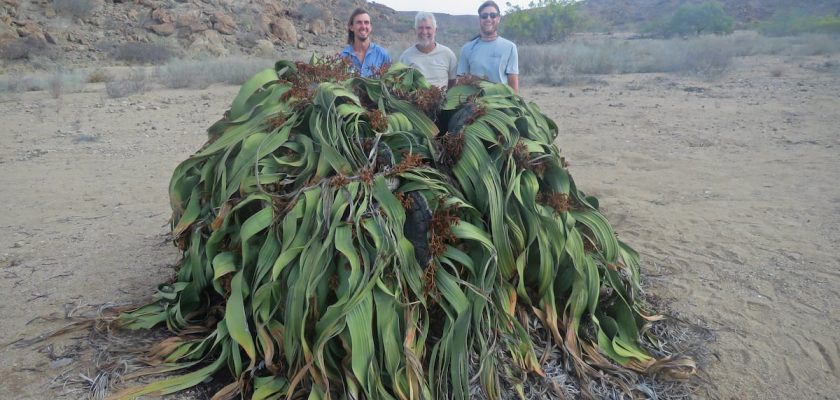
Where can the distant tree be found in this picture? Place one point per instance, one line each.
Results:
(543, 21)
(695, 20)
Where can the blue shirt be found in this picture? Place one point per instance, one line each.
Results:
(374, 58)
(493, 60)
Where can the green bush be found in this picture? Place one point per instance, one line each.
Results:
(694, 20)
(546, 21)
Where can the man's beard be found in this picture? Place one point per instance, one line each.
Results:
(488, 31)
(425, 42)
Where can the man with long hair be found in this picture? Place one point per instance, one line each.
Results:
(489, 55)
(365, 55)
(435, 61)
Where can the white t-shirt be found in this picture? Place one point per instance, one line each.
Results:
(438, 66)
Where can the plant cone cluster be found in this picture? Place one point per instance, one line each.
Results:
(348, 237)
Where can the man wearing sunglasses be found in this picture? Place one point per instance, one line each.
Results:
(489, 55)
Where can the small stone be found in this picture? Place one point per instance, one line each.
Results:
(61, 362)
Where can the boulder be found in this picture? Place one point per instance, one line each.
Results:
(264, 48)
(75, 38)
(191, 22)
(26, 28)
(164, 29)
(161, 16)
(31, 31)
(318, 27)
(7, 32)
(223, 23)
(284, 30)
(207, 42)
(11, 7)
(263, 25)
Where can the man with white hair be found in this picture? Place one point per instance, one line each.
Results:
(435, 61)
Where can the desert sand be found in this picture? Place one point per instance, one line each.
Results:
(727, 187)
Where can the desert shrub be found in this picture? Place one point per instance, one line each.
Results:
(750, 43)
(248, 39)
(548, 65)
(694, 20)
(24, 83)
(57, 82)
(346, 4)
(75, 8)
(546, 21)
(22, 48)
(795, 23)
(142, 53)
(593, 58)
(202, 73)
(99, 75)
(705, 55)
(311, 11)
(56, 85)
(827, 66)
(8, 83)
(815, 44)
(123, 87)
(400, 24)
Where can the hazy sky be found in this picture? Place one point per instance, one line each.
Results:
(445, 6)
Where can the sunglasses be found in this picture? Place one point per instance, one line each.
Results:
(488, 15)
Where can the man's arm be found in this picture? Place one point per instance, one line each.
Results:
(513, 82)
(512, 69)
(453, 68)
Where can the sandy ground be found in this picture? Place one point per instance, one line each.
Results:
(728, 188)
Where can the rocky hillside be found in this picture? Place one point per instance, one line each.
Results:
(48, 34)
(72, 33)
(633, 12)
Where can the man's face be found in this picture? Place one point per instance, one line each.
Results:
(361, 27)
(425, 33)
(489, 20)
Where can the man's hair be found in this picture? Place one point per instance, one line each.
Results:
(425, 15)
(350, 35)
(489, 3)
